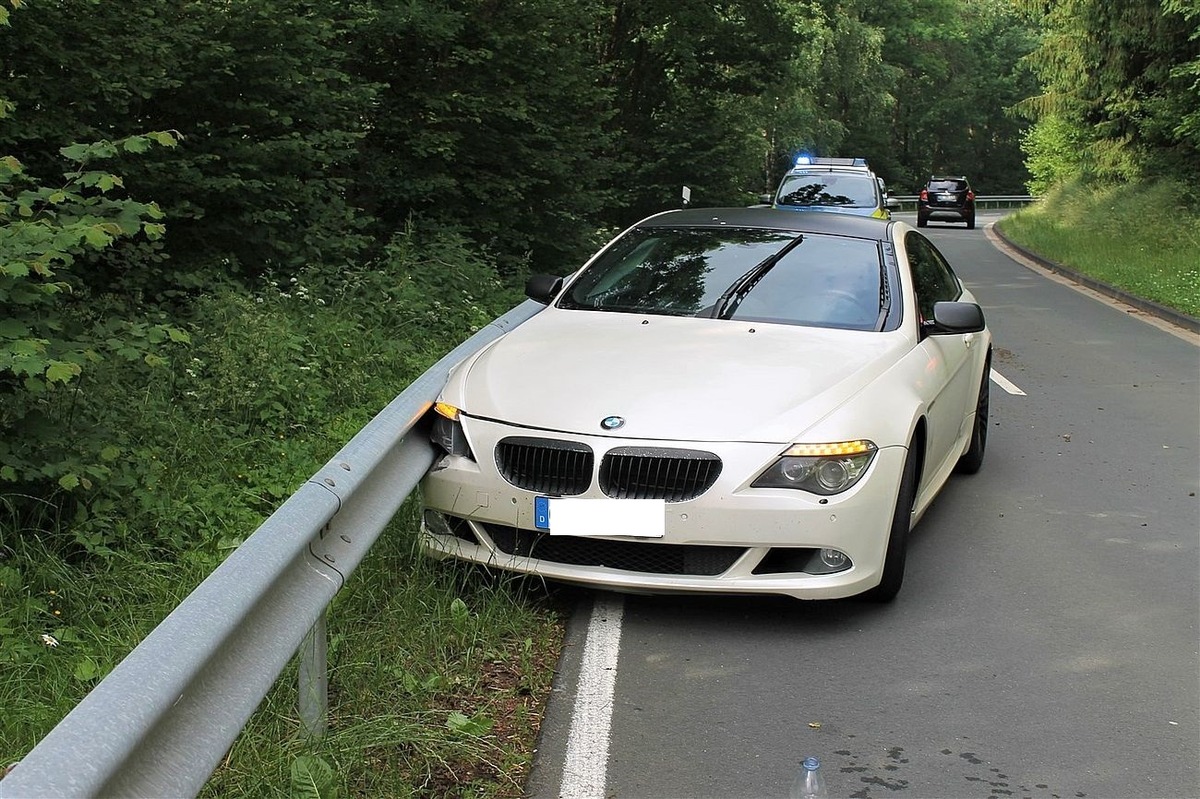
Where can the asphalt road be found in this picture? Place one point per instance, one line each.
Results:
(1047, 639)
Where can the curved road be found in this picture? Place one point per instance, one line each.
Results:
(1046, 642)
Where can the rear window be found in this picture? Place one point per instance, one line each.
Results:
(947, 185)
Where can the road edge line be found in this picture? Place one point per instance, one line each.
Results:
(585, 765)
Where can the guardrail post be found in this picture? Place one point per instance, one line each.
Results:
(314, 681)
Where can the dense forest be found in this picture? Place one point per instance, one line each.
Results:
(155, 153)
(230, 232)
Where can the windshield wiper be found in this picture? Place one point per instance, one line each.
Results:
(728, 302)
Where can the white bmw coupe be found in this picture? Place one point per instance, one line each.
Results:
(734, 401)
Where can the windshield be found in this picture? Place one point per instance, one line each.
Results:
(736, 273)
(840, 190)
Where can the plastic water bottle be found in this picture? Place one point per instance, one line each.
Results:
(809, 783)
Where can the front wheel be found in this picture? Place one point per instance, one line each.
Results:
(972, 459)
(897, 546)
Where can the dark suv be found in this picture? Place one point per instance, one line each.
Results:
(946, 197)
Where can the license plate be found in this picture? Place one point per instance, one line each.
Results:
(541, 513)
(946, 198)
(640, 518)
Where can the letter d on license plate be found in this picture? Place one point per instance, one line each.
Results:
(541, 513)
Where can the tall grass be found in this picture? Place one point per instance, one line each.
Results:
(1144, 239)
(436, 675)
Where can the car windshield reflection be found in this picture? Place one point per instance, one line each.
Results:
(739, 274)
(845, 191)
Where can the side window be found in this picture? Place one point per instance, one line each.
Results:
(933, 278)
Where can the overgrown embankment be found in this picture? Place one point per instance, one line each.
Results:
(436, 680)
(1142, 238)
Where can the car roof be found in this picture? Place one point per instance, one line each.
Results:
(774, 219)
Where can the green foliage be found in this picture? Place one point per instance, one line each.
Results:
(469, 732)
(313, 778)
(953, 67)
(693, 86)
(462, 724)
(1121, 75)
(1187, 76)
(272, 122)
(64, 625)
(200, 450)
(492, 123)
(1159, 262)
(53, 329)
(1055, 150)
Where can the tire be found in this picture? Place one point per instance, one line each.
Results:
(922, 221)
(971, 222)
(897, 546)
(972, 459)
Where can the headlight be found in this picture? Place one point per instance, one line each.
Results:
(447, 432)
(819, 468)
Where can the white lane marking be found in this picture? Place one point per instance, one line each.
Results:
(1000, 380)
(586, 764)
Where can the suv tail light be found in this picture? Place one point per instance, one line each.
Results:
(970, 194)
(924, 195)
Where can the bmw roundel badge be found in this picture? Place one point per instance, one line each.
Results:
(612, 422)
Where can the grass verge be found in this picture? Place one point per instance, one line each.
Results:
(437, 674)
(1142, 239)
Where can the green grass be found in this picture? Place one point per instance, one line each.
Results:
(437, 673)
(66, 620)
(438, 676)
(1142, 239)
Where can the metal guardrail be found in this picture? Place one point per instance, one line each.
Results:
(160, 722)
(908, 202)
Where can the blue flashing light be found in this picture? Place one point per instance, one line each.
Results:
(806, 159)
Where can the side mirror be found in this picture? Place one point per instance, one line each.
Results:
(955, 317)
(766, 199)
(543, 288)
(892, 203)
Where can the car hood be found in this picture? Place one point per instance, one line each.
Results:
(671, 378)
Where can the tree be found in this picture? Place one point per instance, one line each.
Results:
(1119, 73)
(956, 73)
(491, 121)
(50, 332)
(270, 122)
(696, 84)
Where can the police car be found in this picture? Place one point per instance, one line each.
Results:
(843, 185)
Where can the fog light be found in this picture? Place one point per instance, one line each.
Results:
(833, 559)
(827, 561)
